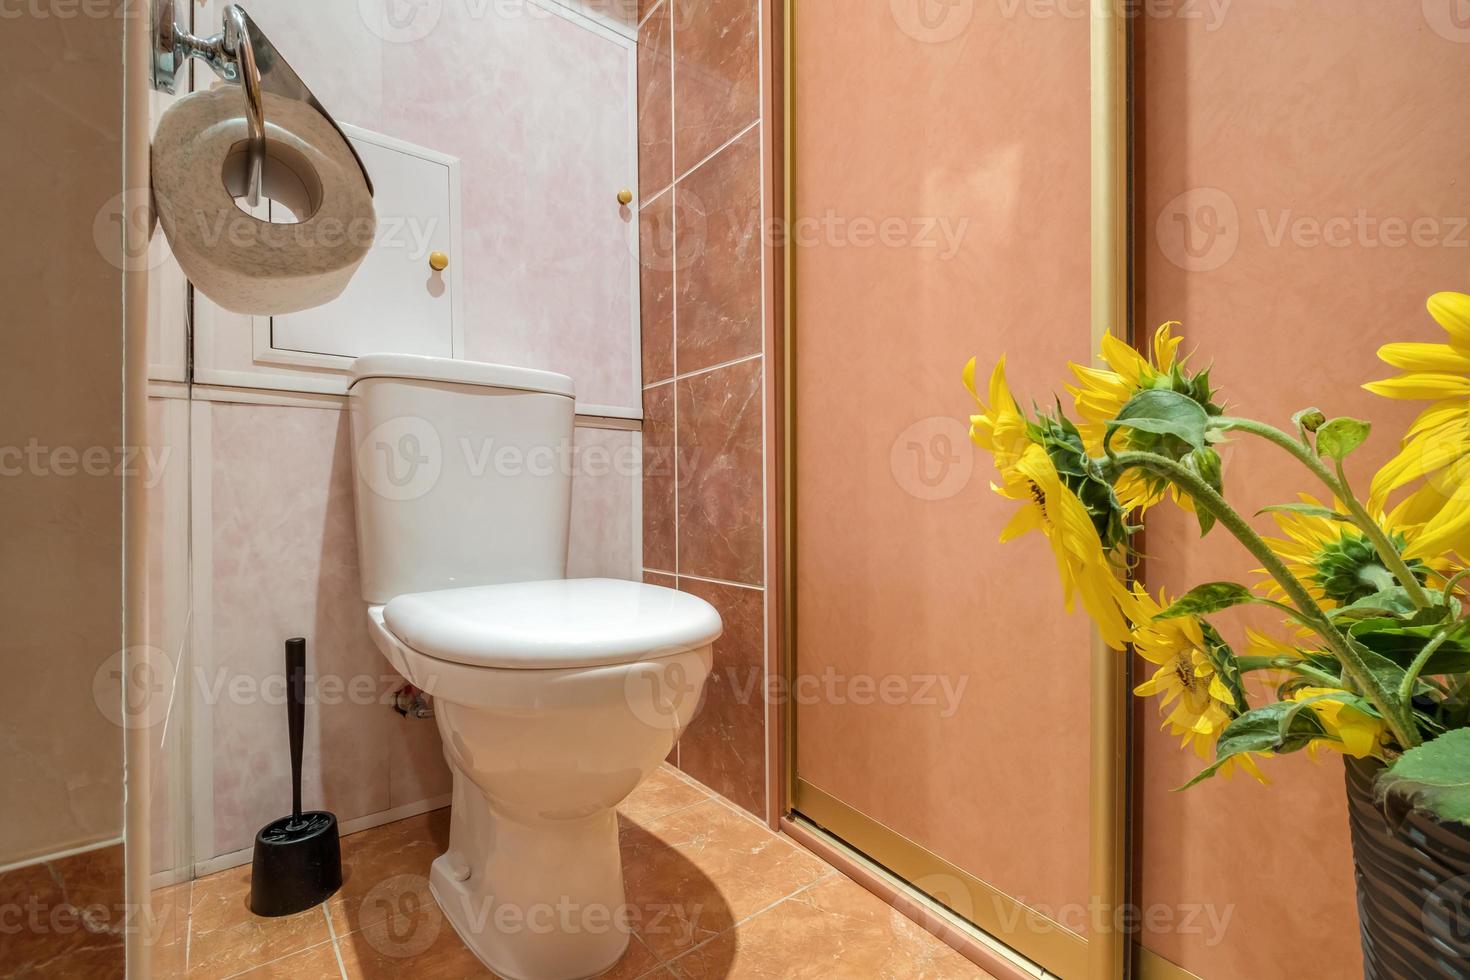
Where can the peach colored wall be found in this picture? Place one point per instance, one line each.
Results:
(1308, 117)
(943, 163)
(704, 358)
(61, 775)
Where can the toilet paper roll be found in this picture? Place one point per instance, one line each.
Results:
(244, 264)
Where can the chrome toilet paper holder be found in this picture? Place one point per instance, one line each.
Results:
(242, 54)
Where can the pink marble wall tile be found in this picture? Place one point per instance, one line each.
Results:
(537, 109)
(716, 75)
(605, 483)
(655, 103)
(416, 767)
(285, 564)
(659, 474)
(719, 256)
(721, 475)
(541, 126)
(657, 259)
(725, 745)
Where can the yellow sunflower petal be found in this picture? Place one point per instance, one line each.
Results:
(1422, 386)
(1452, 311)
(1425, 357)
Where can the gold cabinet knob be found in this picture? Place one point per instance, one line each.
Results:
(625, 197)
(438, 261)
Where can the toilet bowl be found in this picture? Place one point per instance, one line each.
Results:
(554, 698)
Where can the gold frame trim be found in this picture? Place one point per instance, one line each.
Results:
(1108, 790)
(1033, 935)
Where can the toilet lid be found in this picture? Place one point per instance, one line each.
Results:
(550, 625)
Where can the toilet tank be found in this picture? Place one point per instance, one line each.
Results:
(462, 473)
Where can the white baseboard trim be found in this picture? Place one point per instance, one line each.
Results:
(235, 859)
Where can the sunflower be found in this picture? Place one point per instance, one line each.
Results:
(1102, 395)
(1049, 505)
(1335, 560)
(1190, 678)
(1350, 729)
(1437, 447)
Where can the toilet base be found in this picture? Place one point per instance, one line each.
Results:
(543, 901)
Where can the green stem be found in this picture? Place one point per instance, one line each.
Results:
(1206, 496)
(1406, 689)
(1247, 665)
(1449, 587)
(1338, 484)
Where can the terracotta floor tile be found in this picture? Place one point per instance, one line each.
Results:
(833, 929)
(636, 962)
(661, 794)
(168, 929)
(225, 938)
(385, 870)
(433, 953)
(695, 873)
(317, 963)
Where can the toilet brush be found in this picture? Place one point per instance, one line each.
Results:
(298, 859)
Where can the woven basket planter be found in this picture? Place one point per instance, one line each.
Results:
(1413, 876)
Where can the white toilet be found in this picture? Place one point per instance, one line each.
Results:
(555, 698)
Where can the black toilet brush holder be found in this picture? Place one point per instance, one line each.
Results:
(298, 859)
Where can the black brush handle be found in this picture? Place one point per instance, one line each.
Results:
(296, 715)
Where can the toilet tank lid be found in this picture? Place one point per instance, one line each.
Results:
(556, 624)
(419, 367)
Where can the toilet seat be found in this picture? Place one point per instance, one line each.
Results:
(552, 625)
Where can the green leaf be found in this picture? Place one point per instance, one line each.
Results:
(1340, 437)
(1205, 464)
(1434, 777)
(1402, 643)
(1393, 602)
(1202, 600)
(1261, 730)
(1389, 674)
(1164, 412)
(1310, 510)
(1226, 664)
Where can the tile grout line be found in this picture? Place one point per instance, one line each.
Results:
(702, 578)
(734, 926)
(286, 956)
(680, 178)
(651, 11)
(336, 947)
(705, 370)
(674, 286)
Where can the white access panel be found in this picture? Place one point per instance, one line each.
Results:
(395, 303)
